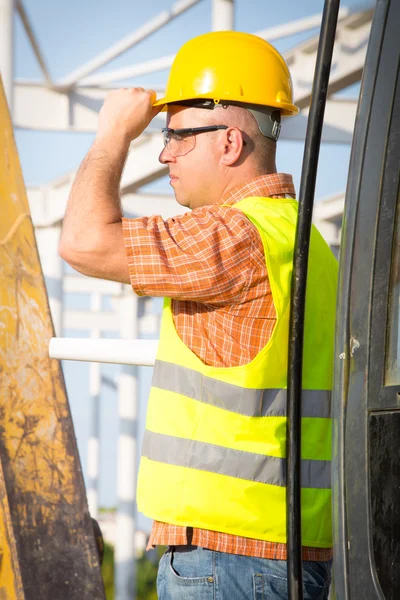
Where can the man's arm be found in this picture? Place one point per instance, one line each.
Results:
(92, 240)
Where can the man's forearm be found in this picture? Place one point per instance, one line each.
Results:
(94, 201)
(92, 238)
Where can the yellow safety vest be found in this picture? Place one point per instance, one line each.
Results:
(214, 448)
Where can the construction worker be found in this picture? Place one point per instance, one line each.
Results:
(212, 473)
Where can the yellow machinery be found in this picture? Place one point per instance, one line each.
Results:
(47, 545)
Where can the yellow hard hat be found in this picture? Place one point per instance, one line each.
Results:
(232, 66)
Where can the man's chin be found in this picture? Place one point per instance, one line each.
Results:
(182, 201)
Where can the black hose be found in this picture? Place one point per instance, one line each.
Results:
(298, 295)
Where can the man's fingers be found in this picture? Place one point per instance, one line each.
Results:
(153, 95)
(127, 112)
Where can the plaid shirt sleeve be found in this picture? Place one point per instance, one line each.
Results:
(203, 256)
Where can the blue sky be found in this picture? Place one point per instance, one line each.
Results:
(71, 33)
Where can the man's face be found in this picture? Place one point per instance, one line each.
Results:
(194, 174)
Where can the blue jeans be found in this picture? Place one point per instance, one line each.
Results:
(193, 573)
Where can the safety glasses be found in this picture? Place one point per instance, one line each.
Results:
(179, 142)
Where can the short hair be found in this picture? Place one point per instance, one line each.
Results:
(262, 148)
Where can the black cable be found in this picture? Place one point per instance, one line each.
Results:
(298, 295)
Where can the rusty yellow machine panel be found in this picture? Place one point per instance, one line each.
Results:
(47, 546)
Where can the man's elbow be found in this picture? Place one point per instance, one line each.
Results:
(80, 257)
(100, 253)
(65, 249)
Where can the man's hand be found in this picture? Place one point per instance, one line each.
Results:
(125, 115)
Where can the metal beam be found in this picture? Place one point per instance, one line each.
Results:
(93, 447)
(328, 216)
(330, 209)
(79, 284)
(33, 40)
(55, 110)
(7, 48)
(223, 15)
(298, 26)
(77, 110)
(130, 40)
(340, 115)
(128, 403)
(348, 58)
(223, 19)
(109, 382)
(144, 68)
(143, 166)
(85, 320)
(47, 204)
(140, 205)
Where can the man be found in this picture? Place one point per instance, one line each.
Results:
(212, 472)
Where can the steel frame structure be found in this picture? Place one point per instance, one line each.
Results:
(72, 104)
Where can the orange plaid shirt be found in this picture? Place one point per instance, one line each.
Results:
(211, 262)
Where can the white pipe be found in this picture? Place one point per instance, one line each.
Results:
(127, 42)
(115, 351)
(7, 48)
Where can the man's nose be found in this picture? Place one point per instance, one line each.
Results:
(166, 156)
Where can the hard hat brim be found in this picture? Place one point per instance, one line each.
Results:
(285, 108)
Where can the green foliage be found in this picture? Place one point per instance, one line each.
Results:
(146, 573)
(107, 570)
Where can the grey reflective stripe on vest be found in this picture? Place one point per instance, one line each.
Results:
(235, 463)
(244, 401)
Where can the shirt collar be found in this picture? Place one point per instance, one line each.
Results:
(271, 185)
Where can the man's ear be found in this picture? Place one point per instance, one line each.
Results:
(233, 146)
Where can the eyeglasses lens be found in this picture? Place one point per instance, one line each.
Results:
(179, 145)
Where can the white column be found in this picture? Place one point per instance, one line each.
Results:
(223, 15)
(7, 47)
(125, 567)
(94, 434)
(53, 270)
